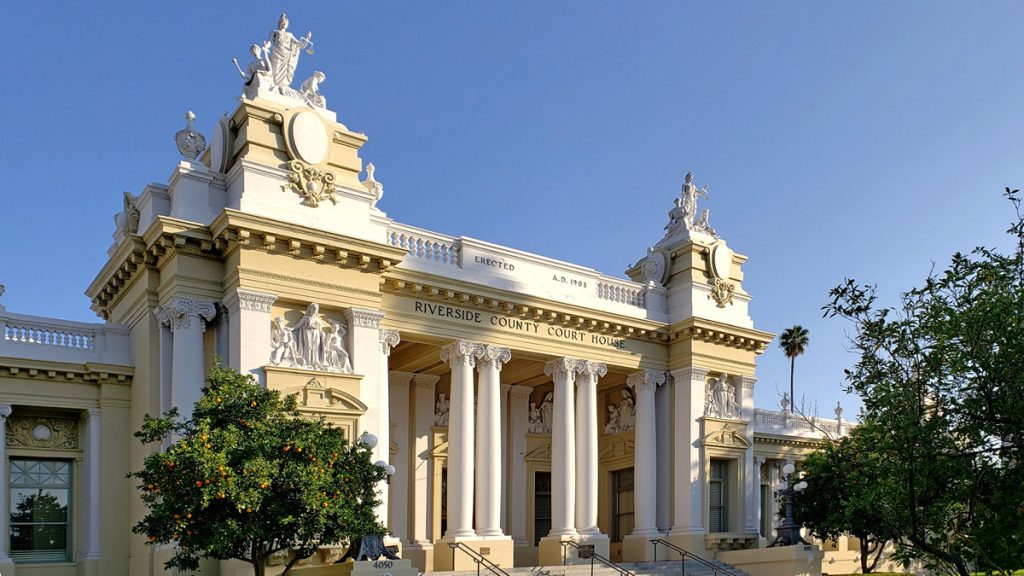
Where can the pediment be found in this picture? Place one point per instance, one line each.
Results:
(539, 454)
(315, 395)
(617, 449)
(439, 451)
(726, 438)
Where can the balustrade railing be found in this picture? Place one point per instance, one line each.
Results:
(48, 334)
(623, 293)
(793, 422)
(425, 245)
(586, 552)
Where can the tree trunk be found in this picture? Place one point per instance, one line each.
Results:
(792, 397)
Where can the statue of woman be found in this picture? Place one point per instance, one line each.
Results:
(284, 53)
(536, 426)
(309, 339)
(441, 409)
(690, 193)
(627, 412)
(612, 426)
(547, 409)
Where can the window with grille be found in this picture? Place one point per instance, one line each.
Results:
(622, 504)
(40, 510)
(718, 496)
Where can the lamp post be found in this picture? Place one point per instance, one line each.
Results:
(789, 531)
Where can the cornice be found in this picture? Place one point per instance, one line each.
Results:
(90, 373)
(421, 285)
(788, 441)
(233, 230)
(723, 334)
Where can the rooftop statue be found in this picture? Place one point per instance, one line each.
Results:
(274, 62)
(283, 52)
(682, 219)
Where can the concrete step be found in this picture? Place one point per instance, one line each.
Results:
(662, 568)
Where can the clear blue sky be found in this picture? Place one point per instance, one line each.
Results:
(864, 139)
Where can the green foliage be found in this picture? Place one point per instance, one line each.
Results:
(942, 380)
(248, 477)
(793, 342)
(844, 479)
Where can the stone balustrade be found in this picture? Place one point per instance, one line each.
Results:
(40, 338)
(621, 291)
(785, 422)
(425, 245)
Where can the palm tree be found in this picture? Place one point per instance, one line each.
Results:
(793, 341)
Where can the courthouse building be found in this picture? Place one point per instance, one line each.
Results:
(522, 401)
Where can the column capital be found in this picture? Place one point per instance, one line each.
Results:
(561, 369)
(746, 382)
(179, 312)
(5, 411)
(489, 355)
(460, 352)
(590, 370)
(388, 340)
(91, 412)
(691, 374)
(645, 380)
(251, 300)
(363, 318)
(425, 381)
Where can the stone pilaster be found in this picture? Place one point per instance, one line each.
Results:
(5, 513)
(187, 320)
(249, 321)
(490, 359)
(751, 483)
(421, 472)
(94, 461)
(519, 423)
(400, 384)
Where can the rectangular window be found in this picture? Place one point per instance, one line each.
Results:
(40, 510)
(622, 504)
(766, 506)
(541, 505)
(718, 496)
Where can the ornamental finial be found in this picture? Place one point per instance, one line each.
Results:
(190, 142)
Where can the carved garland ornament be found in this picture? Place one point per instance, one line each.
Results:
(313, 184)
(721, 293)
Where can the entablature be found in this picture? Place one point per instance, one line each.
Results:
(722, 334)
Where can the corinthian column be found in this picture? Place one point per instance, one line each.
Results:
(461, 355)
(586, 446)
(643, 384)
(488, 440)
(187, 320)
(563, 448)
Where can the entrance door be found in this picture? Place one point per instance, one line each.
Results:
(622, 504)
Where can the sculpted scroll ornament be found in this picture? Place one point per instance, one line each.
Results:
(313, 184)
(179, 313)
(60, 433)
(721, 293)
(190, 142)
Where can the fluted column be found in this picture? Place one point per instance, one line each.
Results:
(461, 355)
(5, 514)
(563, 448)
(187, 320)
(645, 463)
(488, 440)
(93, 459)
(586, 445)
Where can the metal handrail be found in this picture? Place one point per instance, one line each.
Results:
(494, 568)
(593, 556)
(683, 554)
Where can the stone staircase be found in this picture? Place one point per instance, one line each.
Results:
(661, 568)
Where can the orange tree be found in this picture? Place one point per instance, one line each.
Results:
(246, 477)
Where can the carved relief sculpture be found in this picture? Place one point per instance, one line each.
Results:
(627, 412)
(721, 293)
(441, 409)
(33, 432)
(309, 345)
(612, 425)
(720, 400)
